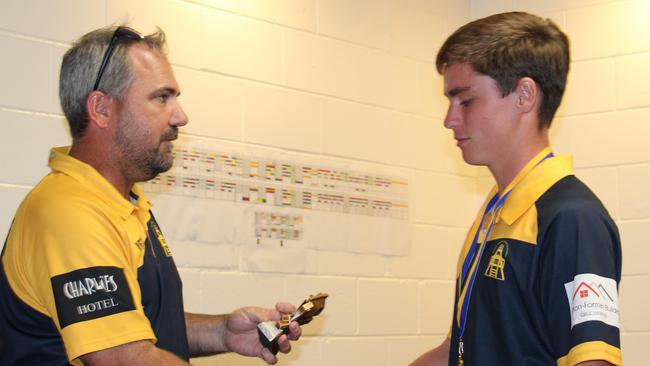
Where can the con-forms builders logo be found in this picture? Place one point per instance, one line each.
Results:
(593, 297)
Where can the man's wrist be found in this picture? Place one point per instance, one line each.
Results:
(221, 334)
(206, 334)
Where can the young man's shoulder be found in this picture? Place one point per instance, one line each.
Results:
(569, 193)
(570, 202)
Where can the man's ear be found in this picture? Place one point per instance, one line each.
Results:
(527, 93)
(100, 108)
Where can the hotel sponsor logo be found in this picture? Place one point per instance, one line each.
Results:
(91, 293)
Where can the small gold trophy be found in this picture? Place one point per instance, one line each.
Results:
(270, 331)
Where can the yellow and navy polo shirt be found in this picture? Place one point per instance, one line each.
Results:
(84, 269)
(546, 289)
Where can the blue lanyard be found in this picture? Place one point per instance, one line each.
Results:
(492, 208)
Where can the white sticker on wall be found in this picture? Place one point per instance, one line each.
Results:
(593, 298)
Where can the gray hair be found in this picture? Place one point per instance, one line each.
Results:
(79, 70)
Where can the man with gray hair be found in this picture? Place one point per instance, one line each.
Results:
(86, 275)
(537, 278)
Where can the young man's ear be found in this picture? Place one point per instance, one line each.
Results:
(527, 94)
(100, 107)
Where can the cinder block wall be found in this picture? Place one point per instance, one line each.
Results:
(351, 79)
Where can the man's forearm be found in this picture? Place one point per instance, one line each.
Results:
(206, 334)
(237, 332)
(142, 353)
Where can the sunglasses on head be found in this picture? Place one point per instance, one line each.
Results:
(121, 34)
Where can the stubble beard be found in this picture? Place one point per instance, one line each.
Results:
(140, 162)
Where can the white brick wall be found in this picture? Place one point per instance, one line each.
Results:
(355, 130)
(384, 307)
(224, 34)
(39, 131)
(359, 21)
(55, 21)
(29, 69)
(213, 103)
(604, 182)
(585, 136)
(635, 251)
(609, 29)
(444, 199)
(356, 351)
(10, 196)
(631, 72)
(296, 122)
(353, 80)
(433, 254)
(586, 93)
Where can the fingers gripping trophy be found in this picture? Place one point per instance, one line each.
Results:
(270, 331)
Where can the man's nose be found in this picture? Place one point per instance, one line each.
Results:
(179, 118)
(452, 119)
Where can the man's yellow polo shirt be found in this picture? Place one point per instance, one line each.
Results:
(72, 257)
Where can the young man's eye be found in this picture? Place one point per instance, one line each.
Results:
(466, 102)
(162, 98)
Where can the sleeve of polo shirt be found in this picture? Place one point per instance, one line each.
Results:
(579, 275)
(86, 277)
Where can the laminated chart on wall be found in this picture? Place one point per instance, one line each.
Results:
(235, 195)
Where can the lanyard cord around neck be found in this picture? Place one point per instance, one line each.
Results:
(492, 208)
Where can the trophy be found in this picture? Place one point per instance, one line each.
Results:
(270, 331)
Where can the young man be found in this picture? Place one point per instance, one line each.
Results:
(538, 275)
(86, 275)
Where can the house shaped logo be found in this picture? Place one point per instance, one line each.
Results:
(583, 290)
(592, 298)
(602, 291)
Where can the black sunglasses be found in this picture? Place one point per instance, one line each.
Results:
(121, 34)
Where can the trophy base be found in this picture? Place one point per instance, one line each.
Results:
(269, 335)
